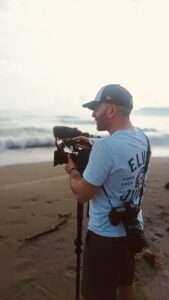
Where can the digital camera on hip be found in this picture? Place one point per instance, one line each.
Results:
(128, 214)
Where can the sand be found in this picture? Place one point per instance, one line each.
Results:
(36, 197)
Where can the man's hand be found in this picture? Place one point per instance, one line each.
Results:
(83, 142)
(70, 165)
(82, 189)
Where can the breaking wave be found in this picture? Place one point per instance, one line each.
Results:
(35, 130)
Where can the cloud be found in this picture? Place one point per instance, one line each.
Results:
(53, 52)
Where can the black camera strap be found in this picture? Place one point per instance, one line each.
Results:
(104, 190)
(145, 168)
(145, 171)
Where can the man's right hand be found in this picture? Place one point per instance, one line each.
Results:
(82, 141)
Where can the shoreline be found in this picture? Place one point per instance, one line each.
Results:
(42, 155)
(36, 197)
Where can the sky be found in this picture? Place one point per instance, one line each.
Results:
(55, 55)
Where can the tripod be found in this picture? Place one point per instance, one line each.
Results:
(78, 247)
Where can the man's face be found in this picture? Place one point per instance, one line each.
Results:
(100, 114)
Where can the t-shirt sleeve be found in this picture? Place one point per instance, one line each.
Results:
(100, 163)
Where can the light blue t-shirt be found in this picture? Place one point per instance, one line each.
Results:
(117, 162)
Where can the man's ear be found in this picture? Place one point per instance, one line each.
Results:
(112, 110)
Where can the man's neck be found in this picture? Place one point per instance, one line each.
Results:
(124, 125)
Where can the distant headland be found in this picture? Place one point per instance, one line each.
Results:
(152, 111)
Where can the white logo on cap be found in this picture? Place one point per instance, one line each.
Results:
(108, 98)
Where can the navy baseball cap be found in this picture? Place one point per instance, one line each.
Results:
(112, 93)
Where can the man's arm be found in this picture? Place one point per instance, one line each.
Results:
(82, 189)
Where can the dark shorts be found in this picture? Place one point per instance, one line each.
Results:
(107, 263)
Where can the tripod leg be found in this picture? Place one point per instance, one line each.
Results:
(78, 248)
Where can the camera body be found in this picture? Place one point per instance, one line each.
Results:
(128, 214)
(65, 144)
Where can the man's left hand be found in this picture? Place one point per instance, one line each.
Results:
(70, 164)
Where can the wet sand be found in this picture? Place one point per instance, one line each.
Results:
(35, 198)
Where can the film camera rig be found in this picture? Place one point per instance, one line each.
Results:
(64, 145)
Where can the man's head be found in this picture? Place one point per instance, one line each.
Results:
(112, 103)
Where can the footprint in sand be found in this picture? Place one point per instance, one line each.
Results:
(49, 216)
(70, 272)
(16, 222)
(167, 186)
(153, 239)
(15, 207)
(160, 206)
(3, 237)
(50, 201)
(148, 220)
(161, 235)
(25, 279)
(30, 200)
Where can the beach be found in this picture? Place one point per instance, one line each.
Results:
(38, 228)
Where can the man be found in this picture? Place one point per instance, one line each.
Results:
(114, 177)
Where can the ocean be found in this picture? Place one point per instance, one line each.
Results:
(27, 137)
